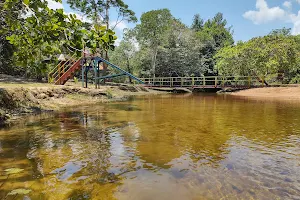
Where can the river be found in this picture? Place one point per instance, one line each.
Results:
(157, 147)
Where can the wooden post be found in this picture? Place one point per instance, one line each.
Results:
(181, 82)
(216, 82)
(204, 83)
(193, 81)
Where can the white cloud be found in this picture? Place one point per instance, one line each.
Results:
(288, 4)
(264, 14)
(54, 5)
(118, 27)
(295, 19)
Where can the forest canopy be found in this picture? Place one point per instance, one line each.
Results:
(160, 45)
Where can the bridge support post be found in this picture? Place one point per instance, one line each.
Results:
(216, 82)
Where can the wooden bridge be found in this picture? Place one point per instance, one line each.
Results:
(66, 70)
(205, 82)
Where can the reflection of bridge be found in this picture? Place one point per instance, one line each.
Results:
(205, 82)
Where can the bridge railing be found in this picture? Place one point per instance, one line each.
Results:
(203, 82)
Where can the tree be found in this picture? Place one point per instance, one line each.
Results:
(151, 31)
(6, 49)
(167, 47)
(214, 35)
(263, 57)
(44, 32)
(32, 35)
(283, 31)
(197, 24)
(124, 54)
(99, 12)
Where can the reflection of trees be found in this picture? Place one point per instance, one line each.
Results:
(69, 153)
(202, 125)
(87, 153)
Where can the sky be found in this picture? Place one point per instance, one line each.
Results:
(249, 18)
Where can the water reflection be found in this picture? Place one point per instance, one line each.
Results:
(180, 147)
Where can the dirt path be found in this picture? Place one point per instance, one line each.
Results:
(282, 93)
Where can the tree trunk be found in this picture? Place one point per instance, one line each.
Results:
(154, 62)
(129, 70)
(107, 24)
(105, 53)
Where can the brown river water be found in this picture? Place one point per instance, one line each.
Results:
(160, 147)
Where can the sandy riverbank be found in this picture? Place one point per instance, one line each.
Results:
(278, 93)
(19, 96)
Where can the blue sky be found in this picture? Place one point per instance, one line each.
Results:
(249, 18)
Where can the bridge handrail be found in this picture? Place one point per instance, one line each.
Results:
(203, 80)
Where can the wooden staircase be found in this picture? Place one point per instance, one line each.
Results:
(64, 70)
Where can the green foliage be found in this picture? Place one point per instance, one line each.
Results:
(262, 57)
(295, 79)
(167, 47)
(152, 31)
(38, 34)
(198, 23)
(6, 49)
(99, 39)
(284, 31)
(153, 26)
(99, 9)
(123, 56)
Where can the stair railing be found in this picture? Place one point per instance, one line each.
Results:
(68, 68)
(58, 70)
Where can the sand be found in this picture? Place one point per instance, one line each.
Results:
(282, 93)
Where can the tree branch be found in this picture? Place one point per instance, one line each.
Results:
(32, 12)
(70, 45)
(118, 22)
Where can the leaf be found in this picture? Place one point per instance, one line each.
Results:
(102, 28)
(13, 170)
(60, 11)
(19, 191)
(26, 2)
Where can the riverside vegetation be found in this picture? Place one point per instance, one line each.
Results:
(159, 45)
